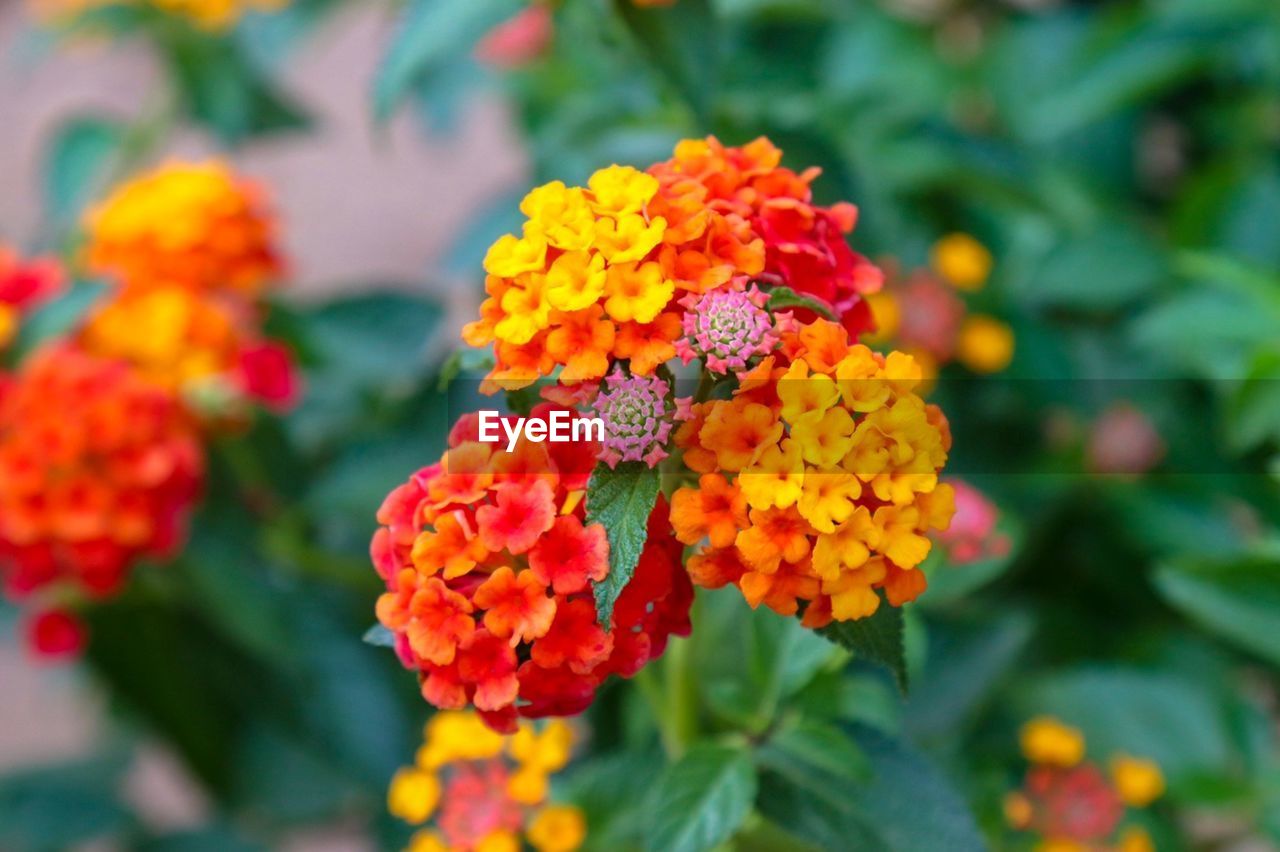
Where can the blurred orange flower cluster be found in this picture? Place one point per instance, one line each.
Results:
(99, 468)
(192, 249)
(1070, 803)
(925, 313)
(102, 426)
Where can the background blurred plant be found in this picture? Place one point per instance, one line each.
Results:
(1118, 162)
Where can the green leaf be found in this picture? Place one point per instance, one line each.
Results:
(1253, 413)
(379, 636)
(63, 806)
(75, 165)
(681, 42)
(967, 658)
(621, 499)
(784, 298)
(431, 35)
(877, 638)
(1238, 600)
(1138, 66)
(701, 800)
(223, 90)
(373, 339)
(812, 751)
(211, 838)
(1068, 276)
(607, 787)
(57, 317)
(774, 659)
(906, 805)
(1176, 720)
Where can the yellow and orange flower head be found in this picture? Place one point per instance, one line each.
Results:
(196, 225)
(1068, 801)
(820, 479)
(473, 788)
(489, 566)
(611, 272)
(100, 468)
(196, 343)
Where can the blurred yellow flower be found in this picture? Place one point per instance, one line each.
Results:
(413, 795)
(557, 828)
(1047, 741)
(963, 261)
(1138, 781)
(8, 325)
(197, 225)
(1135, 839)
(985, 344)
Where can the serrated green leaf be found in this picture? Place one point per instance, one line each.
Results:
(784, 298)
(431, 34)
(906, 805)
(1238, 600)
(379, 636)
(878, 638)
(701, 800)
(621, 499)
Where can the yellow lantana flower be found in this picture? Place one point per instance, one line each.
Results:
(1047, 741)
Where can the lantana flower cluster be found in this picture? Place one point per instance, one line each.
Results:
(803, 469)
(489, 566)
(1071, 803)
(818, 479)
(483, 790)
(925, 312)
(606, 273)
(190, 249)
(99, 467)
(102, 428)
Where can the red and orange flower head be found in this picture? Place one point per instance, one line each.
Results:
(100, 468)
(821, 479)
(489, 566)
(1070, 802)
(23, 286)
(194, 225)
(203, 345)
(805, 245)
(474, 788)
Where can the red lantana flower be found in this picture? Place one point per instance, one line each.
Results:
(489, 566)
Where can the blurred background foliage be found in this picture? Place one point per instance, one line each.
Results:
(1120, 159)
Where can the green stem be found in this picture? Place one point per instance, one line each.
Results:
(680, 720)
(146, 134)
